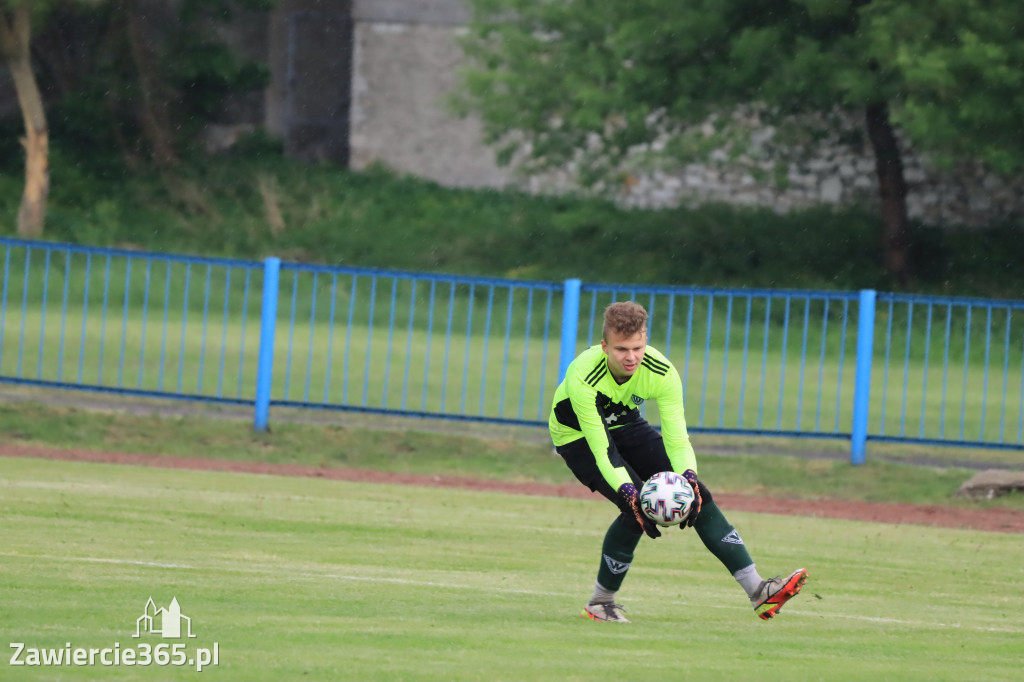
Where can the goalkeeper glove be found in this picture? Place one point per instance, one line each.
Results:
(691, 477)
(632, 497)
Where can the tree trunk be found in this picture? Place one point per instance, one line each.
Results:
(892, 188)
(154, 114)
(15, 35)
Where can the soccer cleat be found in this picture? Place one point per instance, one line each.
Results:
(772, 594)
(605, 613)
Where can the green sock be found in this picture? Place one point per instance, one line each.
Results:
(721, 539)
(617, 554)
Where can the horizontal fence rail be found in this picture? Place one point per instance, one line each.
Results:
(127, 322)
(861, 366)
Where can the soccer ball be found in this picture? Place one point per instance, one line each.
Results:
(666, 498)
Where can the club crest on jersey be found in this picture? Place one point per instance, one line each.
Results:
(637, 400)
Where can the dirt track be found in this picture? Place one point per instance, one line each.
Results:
(999, 520)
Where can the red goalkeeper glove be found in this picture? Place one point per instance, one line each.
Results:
(691, 477)
(629, 493)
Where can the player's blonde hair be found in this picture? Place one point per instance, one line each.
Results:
(625, 318)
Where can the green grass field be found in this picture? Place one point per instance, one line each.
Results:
(322, 580)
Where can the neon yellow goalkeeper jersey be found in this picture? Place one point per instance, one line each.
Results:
(589, 401)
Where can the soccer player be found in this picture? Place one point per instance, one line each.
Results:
(596, 427)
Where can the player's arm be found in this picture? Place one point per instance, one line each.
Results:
(673, 422)
(583, 397)
(677, 439)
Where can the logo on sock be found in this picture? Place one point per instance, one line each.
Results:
(733, 538)
(614, 566)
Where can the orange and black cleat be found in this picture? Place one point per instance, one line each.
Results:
(773, 593)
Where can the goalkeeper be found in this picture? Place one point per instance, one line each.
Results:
(596, 427)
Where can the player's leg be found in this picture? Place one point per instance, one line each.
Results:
(642, 448)
(620, 540)
(722, 540)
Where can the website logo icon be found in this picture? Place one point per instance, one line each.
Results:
(164, 622)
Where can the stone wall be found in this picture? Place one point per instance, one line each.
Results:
(405, 65)
(831, 172)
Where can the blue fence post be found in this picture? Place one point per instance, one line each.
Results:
(570, 322)
(268, 321)
(862, 381)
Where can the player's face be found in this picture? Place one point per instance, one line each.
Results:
(624, 353)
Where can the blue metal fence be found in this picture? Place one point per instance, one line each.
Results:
(126, 322)
(861, 366)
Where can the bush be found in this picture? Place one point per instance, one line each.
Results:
(253, 202)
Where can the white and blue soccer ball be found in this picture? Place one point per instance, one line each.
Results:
(666, 498)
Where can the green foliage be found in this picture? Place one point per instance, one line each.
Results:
(583, 82)
(218, 206)
(12, 154)
(205, 70)
(957, 70)
(101, 88)
(970, 260)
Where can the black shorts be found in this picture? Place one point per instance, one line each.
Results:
(641, 451)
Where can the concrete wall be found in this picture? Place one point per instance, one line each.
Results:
(432, 12)
(401, 76)
(404, 65)
(308, 100)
